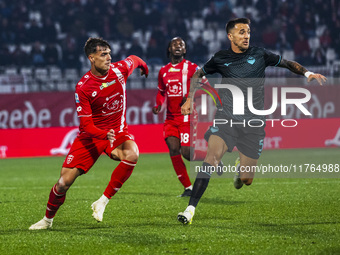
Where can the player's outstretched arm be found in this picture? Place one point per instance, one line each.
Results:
(138, 62)
(299, 69)
(187, 106)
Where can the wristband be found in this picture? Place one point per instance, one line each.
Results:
(308, 73)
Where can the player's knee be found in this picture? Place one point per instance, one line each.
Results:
(132, 156)
(62, 185)
(174, 151)
(247, 181)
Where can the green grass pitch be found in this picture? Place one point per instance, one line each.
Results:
(272, 216)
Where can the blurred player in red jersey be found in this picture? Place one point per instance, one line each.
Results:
(101, 107)
(174, 85)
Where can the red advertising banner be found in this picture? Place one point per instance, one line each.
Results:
(46, 109)
(57, 141)
(309, 133)
(57, 109)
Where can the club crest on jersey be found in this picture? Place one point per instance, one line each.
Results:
(251, 60)
(69, 159)
(174, 70)
(174, 89)
(107, 84)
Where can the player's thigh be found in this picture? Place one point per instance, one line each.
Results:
(216, 149)
(127, 150)
(174, 145)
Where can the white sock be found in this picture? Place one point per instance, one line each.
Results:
(191, 209)
(48, 219)
(190, 187)
(104, 199)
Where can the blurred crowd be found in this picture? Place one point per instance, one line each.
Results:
(47, 32)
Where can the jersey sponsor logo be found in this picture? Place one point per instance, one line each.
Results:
(172, 69)
(79, 108)
(175, 80)
(69, 159)
(94, 93)
(251, 60)
(107, 84)
(227, 64)
(113, 104)
(77, 97)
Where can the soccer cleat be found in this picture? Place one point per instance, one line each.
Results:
(45, 223)
(185, 217)
(98, 209)
(220, 169)
(186, 193)
(237, 180)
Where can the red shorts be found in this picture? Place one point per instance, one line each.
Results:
(85, 151)
(180, 129)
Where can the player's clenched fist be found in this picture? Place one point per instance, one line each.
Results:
(185, 109)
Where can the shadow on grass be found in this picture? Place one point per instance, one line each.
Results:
(219, 201)
(148, 194)
(298, 224)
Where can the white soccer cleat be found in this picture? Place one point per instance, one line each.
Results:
(98, 209)
(185, 217)
(45, 223)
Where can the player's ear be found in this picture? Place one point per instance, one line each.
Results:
(91, 58)
(230, 36)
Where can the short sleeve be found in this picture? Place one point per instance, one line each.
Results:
(271, 59)
(82, 104)
(210, 66)
(161, 85)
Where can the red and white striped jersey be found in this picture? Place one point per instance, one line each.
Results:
(174, 80)
(104, 98)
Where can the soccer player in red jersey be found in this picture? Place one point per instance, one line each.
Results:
(101, 107)
(174, 85)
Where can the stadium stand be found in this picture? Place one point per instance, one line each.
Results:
(42, 39)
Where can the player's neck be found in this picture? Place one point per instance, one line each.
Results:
(175, 61)
(98, 73)
(236, 49)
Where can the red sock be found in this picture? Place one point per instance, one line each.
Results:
(55, 200)
(199, 155)
(121, 173)
(181, 170)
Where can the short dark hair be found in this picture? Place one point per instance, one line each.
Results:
(231, 23)
(92, 43)
(167, 48)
